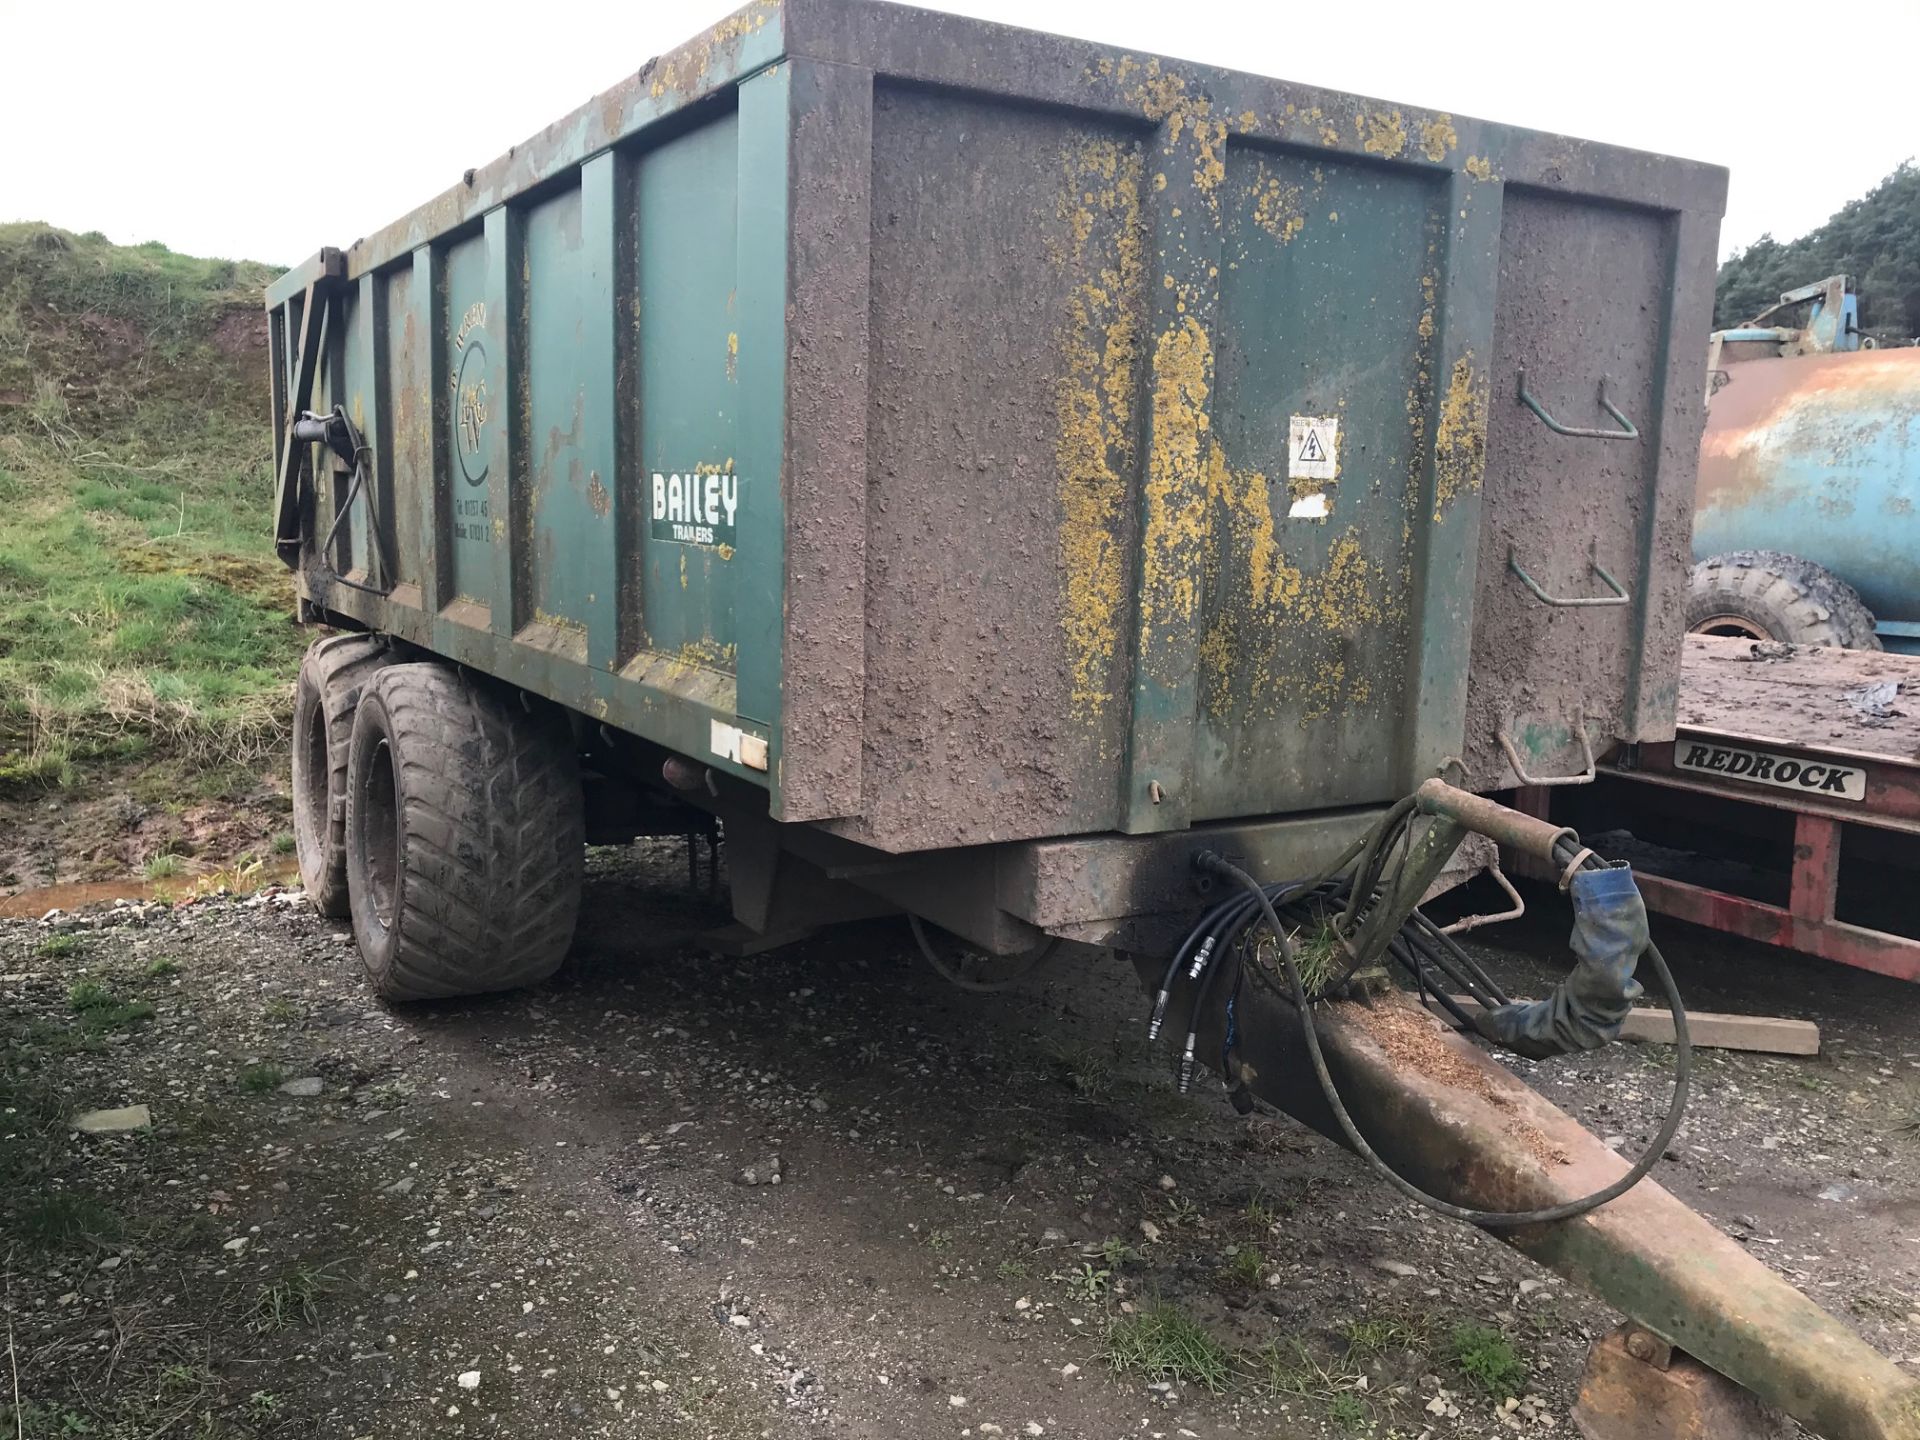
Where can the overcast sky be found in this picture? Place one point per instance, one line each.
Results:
(265, 130)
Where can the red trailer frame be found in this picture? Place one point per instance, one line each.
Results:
(1808, 715)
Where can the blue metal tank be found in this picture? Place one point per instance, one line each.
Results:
(1819, 456)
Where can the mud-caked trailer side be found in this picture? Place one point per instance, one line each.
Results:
(1057, 493)
(989, 465)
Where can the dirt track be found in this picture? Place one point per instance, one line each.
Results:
(548, 1189)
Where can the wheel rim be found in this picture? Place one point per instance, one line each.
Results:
(310, 773)
(380, 833)
(1735, 627)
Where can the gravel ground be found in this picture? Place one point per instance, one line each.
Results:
(556, 1213)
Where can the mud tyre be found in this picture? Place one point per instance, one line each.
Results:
(1768, 595)
(465, 835)
(332, 674)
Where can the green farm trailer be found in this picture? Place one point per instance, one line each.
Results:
(1035, 488)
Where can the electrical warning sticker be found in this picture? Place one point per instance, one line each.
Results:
(1313, 447)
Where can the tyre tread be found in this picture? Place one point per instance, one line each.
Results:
(1803, 602)
(337, 668)
(493, 837)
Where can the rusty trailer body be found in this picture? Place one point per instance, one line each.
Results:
(999, 458)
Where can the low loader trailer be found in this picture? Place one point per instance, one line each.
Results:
(1055, 494)
(1787, 807)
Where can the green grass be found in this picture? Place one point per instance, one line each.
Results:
(294, 1297)
(141, 609)
(1261, 1213)
(1163, 1342)
(1347, 1410)
(262, 1079)
(284, 843)
(1373, 1336)
(1085, 1070)
(162, 867)
(1245, 1268)
(1291, 1367)
(1487, 1358)
(1319, 957)
(58, 947)
(263, 1406)
(101, 1011)
(160, 968)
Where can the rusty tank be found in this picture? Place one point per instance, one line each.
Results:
(1818, 455)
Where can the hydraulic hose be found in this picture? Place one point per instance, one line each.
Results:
(1488, 1219)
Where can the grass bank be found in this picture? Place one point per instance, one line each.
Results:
(143, 619)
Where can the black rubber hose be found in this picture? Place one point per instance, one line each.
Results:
(1437, 939)
(1488, 1219)
(1203, 977)
(1401, 951)
(1456, 965)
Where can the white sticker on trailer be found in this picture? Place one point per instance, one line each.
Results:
(742, 747)
(1762, 767)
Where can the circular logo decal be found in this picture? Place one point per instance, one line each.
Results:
(471, 404)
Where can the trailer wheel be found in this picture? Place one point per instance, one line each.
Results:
(332, 674)
(465, 835)
(1767, 595)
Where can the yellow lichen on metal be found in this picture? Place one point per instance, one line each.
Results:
(1479, 167)
(1105, 243)
(1176, 520)
(1277, 208)
(733, 354)
(1437, 137)
(1460, 437)
(1265, 644)
(1381, 132)
(683, 70)
(1312, 118)
(1272, 582)
(1163, 96)
(707, 654)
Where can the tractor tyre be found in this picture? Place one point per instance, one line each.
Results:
(332, 674)
(466, 836)
(1767, 595)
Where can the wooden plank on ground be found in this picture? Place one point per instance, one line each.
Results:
(1763, 1034)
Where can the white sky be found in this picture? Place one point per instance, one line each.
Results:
(264, 130)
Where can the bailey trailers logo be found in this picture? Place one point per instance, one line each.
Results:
(695, 509)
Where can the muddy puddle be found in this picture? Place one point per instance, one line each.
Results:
(32, 904)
